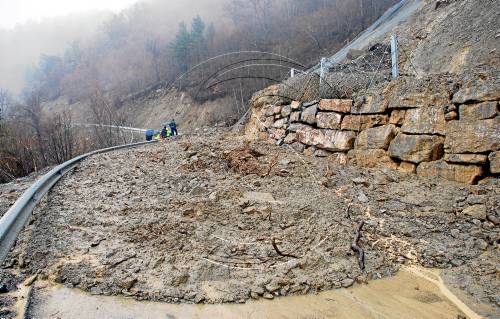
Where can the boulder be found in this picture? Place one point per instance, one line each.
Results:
(296, 105)
(371, 158)
(397, 117)
(418, 100)
(297, 126)
(425, 120)
(417, 148)
(362, 122)
(329, 120)
(295, 117)
(481, 111)
(337, 141)
(466, 158)
(372, 104)
(280, 123)
(376, 137)
(472, 137)
(269, 122)
(290, 138)
(308, 135)
(309, 115)
(276, 110)
(309, 151)
(269, 110)
(286, 111)
(476, 212)
(479, 88)
(330, 140)
(407, 167)
(278, 134)
(494, 162)
(335, 105)
(467, 174)
(298, 147)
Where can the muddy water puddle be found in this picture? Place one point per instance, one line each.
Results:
(413, 293)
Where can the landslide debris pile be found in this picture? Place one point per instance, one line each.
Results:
(212, 218)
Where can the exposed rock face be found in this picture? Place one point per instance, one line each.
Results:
(377, 137)
(425, 120)
(441, 118)
(417, 148)
(330, 120)
(481, 111)
(362, 122)
(309, 115)
(371, 158)
(478, 88)
(494, 162)
(340, 106)
(472, 137)
(461, 173)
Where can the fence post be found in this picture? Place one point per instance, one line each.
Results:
(395, 57)
(292, 72)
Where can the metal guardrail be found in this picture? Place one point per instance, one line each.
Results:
(12, 223)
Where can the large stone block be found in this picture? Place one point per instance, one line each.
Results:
(337, 141)
(376, 137)
(308, 135)
(330, 120)
(466, 158)
(290, 138)
(472, 137)
(330, 140)
(417, 148)
(362, 122)
(481, 111)
(295, 117)
(425, 120)
(371, 104)
(286, 111)
(468, 174)
(371, 158)
(309, 114)
(397, 117)
(296, 105)
(494, 162)
(335, 105)
(280, 123)
(418, 100)
(479, 88)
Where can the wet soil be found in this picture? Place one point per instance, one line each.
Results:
(212, 219)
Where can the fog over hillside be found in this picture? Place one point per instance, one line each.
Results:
(22, 45)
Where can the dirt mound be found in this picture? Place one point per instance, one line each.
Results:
(214, 219)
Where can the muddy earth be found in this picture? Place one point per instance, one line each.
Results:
(213, 218)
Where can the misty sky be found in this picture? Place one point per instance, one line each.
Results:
(14, 12)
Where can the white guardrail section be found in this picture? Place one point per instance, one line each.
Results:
(14, 220)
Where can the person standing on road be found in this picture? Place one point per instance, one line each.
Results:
(173, 128)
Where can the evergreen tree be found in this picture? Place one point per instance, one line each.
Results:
(182, 47)
(199, 43)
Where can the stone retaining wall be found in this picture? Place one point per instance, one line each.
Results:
(431, 129)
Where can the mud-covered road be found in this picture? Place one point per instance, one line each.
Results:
(211, 219)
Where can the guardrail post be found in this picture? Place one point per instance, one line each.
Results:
(292, 72)
(395, 57)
